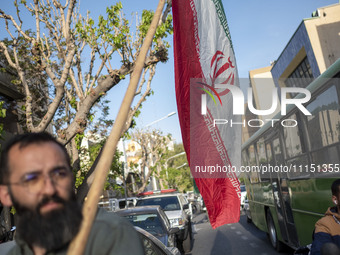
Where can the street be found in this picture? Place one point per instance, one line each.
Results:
(235, 239)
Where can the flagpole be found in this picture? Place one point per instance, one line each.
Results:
(78, 244)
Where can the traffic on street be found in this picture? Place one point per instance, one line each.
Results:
(241, 238)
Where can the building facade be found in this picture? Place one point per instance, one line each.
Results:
(312, 49)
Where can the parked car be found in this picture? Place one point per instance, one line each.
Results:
(194, 203)
(153, 220)
(152, 246)
(201, 203)
(243, 195)
(176, 207)
(247, 210)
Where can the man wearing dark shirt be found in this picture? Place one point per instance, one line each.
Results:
(36, 178)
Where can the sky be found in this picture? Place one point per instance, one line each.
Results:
(259, 31)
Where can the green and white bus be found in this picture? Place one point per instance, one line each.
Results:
(290, 167)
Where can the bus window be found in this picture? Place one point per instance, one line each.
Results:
(252, 163)
(327, 160)
(323, 124)
(323, 129)
(277, 151)
(277, 155)
(292, 137)
(262, 158)
(269, 154)
(251, 153)
(300, 167)
(261, 152)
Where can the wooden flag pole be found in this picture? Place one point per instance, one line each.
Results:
(78, 244)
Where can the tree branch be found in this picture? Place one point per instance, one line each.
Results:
(37, 22)
(15, 24)
(59, 86)
(68, 19)
(8, 57)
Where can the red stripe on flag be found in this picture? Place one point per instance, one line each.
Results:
(186, 65)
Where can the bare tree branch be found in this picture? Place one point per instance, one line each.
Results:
(37, 21)
(9, 17)
(8, 57)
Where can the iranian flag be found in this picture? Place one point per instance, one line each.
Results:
(204, 66)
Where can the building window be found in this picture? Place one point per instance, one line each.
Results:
(302, 76)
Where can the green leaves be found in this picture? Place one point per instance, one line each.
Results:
(113, 14)
(146, 22)
(2, 110)
(73, 103)
(162, 31)
(112, 30)
(2, 115)
(177, 175)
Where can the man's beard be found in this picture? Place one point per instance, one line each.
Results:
(52, 230)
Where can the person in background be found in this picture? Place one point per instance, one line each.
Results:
(327, 230)
(36, 178)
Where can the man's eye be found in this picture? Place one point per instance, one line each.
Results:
(30, 178)
(60, 173)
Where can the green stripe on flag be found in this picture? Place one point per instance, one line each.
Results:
(223, 19)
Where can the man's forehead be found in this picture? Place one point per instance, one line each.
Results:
(22, 146)
(34, 152)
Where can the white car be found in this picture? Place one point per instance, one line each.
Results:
(243, 195)
(114, 204)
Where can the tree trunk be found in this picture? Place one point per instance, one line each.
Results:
(159, 174)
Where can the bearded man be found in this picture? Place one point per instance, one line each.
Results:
(36, 178)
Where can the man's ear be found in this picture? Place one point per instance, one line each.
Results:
(5, 197)
(335, 200)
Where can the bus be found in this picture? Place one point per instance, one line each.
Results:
(290, 165)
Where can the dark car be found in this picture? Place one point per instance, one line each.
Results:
(247, 210)
(153, 246)
(176, 207)
(153, 220)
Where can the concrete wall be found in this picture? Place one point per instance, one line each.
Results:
(324, 34)
(262, 83)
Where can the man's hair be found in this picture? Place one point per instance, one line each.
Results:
(23, 141)
(335, 187)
